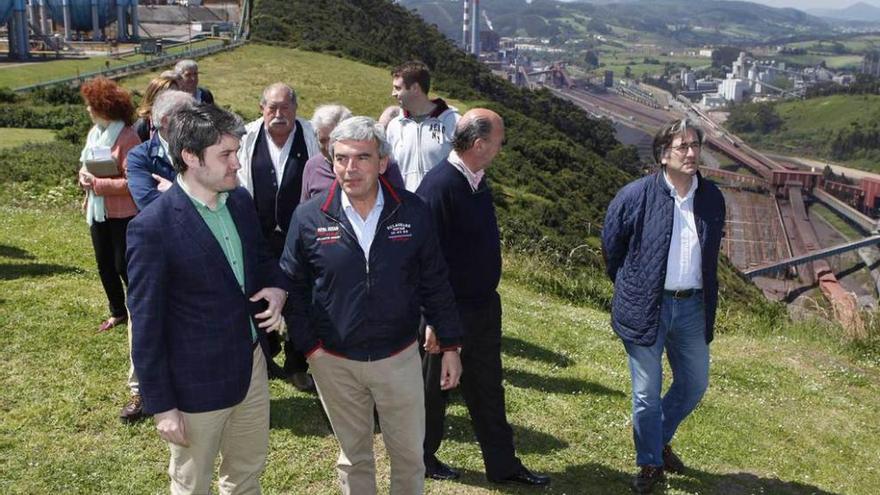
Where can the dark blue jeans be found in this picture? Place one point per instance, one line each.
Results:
(682, 333)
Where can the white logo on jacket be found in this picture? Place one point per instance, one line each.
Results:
(399, 231)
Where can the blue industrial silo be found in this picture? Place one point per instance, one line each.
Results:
(14, 14)
(83, 15)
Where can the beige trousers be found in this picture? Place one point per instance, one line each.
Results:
(240, 434)
(133, 383)
(348, 391)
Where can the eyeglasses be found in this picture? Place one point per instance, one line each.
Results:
(684, 147)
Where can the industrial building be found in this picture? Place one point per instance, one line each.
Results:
(48, 24)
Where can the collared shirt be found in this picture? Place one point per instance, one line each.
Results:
(280, 154)
(219, 221)
(364, 228)
(164, 150)
(472, 178)
(684, 263)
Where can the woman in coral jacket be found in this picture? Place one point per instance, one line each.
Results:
(108, 204)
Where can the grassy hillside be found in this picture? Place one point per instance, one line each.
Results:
(366, 90)
(809, 125)
(12, 137)
(787, 412)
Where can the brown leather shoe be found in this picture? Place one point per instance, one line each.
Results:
(671, 462)
(646, 479)
(133, 411)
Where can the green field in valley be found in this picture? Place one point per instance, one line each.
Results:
(17, 74)
(791, 408)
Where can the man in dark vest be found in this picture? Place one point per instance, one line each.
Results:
(273, 153)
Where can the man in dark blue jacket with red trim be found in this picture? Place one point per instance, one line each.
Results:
(363, 264)
(661, 241)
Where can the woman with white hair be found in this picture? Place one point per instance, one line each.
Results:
(318, 172)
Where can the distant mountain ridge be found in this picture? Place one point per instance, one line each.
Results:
(861, 11)
(713, 22)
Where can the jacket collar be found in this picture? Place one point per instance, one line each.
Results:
(440, 107)
(660, 181)
(333, 203)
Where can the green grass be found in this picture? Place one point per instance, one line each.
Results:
(832, 61)
(23, 74)
(839, 224)
(10, 137)
(317, 78)
(788, 412)
(617, 60)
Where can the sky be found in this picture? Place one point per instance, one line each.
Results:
(813, 4)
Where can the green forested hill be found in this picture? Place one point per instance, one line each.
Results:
(843, 128)
(677, 21)
(560, 167)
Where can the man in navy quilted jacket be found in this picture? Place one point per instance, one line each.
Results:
(661, 241)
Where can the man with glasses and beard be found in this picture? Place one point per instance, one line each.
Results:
(661, 240)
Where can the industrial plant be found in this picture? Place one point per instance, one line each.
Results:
(44, 28)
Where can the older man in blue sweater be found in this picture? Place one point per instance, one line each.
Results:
(661, 240)
(461, 203)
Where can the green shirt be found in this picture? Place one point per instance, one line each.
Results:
(220, 222)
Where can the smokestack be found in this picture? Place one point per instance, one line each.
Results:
(65, 9)
(475, 29)
(466, 27)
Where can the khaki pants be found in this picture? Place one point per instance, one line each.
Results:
(348, 391)
(133, 383)
(239, 433)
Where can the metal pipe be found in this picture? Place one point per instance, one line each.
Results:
(134, 20)
(96, 28)
(120, 21)
(65, 10)
(20, 30)
(45, 22)
(33, 14)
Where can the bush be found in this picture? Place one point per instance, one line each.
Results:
(7, 95)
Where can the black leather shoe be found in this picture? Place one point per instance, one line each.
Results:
(525, 477)
(436, 470)
(646, 479)
(671, 462)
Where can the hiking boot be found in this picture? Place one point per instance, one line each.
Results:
(646, 479)
(671, 462)
(133, 410)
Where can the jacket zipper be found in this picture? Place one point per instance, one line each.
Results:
(354, 237)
